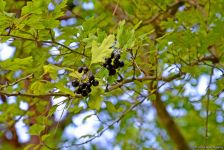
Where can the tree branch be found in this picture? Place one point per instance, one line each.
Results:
(171, 10)
(146, 78)
(51, 42)
(38, 95)
(105, 129)
(112, 87)
(30, 76)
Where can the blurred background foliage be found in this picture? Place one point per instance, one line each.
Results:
(173, 54)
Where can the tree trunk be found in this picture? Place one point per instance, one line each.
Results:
(171, 127)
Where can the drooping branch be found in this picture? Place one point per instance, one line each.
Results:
(104, 129)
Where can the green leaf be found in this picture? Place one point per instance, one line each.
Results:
(95, 99)
(50, 22)
(86, 136)
(2, 5)
(99, 53)
(86, 117)
(57, 12)
(35, 22)
(95, 103)
(64, 89)
(76, 109)
(36, 129)
(76, 74)
(35, 7)
(52, 110)
(52, 70)
(17, 63)
(100, 129)
(39, 87)
(5, 22)
(125, 37)
(44, 137)
(137, 25)
(110, 107)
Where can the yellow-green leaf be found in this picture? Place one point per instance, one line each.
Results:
(95, 99)
(18, 63)
(99, 53)
(52, 70)
(76, 74)
(64, 89)
(2, 5)
(110, 107)
(36, 129)
(39, 87)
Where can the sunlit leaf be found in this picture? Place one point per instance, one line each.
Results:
(99, 53)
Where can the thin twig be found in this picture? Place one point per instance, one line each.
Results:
(115, 9)
(30, 76)
(51, 42)
(207, 106)
(105, 129)
(100, 120)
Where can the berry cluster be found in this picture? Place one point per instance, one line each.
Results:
(113, 63)
(84, 88)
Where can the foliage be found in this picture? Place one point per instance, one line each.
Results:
(157, 100)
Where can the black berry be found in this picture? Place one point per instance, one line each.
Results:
(121, 64)
(84, 93)
(79, 91)
(88, 89)
(75, 83)
(91, 78)
(82, 86)
(117, 56)
(116, 62)
(95, 82)
(113, 63)
(85, 69)
(112, 72)
(108, 60)
(116, 66)
(112, 55)
(88, 84)
(109, 66)
(80, 69)
(105, 65)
